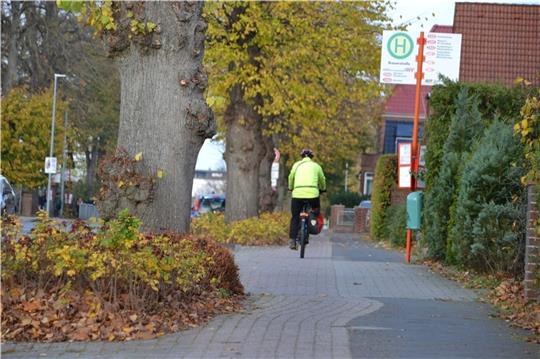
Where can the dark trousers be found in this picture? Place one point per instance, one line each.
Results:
(296, 208)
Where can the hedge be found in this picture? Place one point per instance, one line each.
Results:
(384, 181)
(462, 167)
(488, 227)
(465, 128)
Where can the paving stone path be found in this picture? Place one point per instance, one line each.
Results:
(310, 308)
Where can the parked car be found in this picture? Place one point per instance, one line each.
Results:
(365, 204)
(214, 203)
(7, 201)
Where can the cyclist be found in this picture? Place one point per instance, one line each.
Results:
(306, 181)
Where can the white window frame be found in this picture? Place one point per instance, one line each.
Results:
(368, 176)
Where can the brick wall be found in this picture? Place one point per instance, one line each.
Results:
(532, 252)
(360, 220)
(399, 195)
(334, 210)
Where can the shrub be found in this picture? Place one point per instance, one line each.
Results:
(488, 228)
(384, 181)
(348, 199)
(396, 225)
(529, 131)
(267, 229)
(450, 143)
(465, 128)
(221, 270)
(123, 272)
(493, 101)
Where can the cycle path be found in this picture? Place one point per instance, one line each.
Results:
(345, 299)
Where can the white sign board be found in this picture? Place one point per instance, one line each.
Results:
(404, 177)
(50, 165)
(442, 54)
(404, 153)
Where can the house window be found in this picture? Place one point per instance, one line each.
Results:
(398, 132)
(368, 183)
(401, 140)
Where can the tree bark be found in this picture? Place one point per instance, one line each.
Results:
(267, 196)
(163, 113)
(244, 151)
(11, 71)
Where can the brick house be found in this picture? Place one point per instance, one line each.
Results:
(500, 42)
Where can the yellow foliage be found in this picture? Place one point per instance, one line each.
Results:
(119, 257)
(314, 68)
(103, 17)
(529, 131)
(26, 133)
(268, 229)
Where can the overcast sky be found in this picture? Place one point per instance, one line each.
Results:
(431, 12)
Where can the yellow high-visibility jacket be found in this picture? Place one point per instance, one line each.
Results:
(306, 179)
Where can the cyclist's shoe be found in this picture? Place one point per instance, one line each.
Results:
(292, 244)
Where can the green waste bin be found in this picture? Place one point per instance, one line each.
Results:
(414, 209)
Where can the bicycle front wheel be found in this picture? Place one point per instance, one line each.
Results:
(303, 238)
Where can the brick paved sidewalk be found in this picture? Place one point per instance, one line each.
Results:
(299, 308)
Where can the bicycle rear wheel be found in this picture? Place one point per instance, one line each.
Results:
(303, 237)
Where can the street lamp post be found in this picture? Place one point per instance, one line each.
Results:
(63, 173)
(49, 194)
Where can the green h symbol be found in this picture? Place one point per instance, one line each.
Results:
(400, 45)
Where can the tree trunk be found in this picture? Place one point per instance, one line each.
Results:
(91, 167)
(244, 150)
(283, 196)
(267, 196)
(32, 44)
(93, 156)
(163, 113)
(11, 72)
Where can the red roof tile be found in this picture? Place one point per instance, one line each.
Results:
(401, 102)
(500, 42)
(447, 29)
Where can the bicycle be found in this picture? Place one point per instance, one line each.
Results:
(303, 232)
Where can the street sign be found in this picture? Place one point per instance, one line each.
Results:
(50, 165)
(398, 58)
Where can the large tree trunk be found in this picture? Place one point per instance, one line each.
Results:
(163, 113)
(244, 150)
(11, 71)
(267, 196)
(32, 44)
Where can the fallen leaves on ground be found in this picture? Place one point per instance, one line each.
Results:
(72, 316)
(506, 294)
(509, 298)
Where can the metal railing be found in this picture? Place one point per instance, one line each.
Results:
(87, 210)
(346, 217)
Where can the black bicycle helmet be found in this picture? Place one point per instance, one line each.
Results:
(306, 152)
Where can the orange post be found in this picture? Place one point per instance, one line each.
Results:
(408, 246)
(414, 150)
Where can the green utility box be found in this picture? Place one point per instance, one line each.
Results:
(414, 209)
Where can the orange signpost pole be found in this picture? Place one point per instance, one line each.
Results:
(414, 151)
